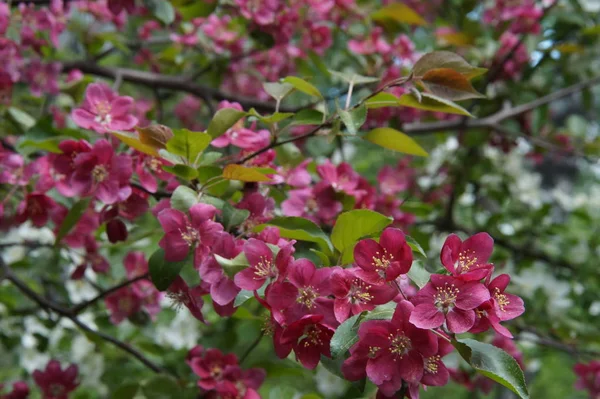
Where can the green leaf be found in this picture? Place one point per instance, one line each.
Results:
(161, 387)
(162, 273)
(431, 102)
(493, 363)
(21, 118)
(415, 246)
(233, 216)
(394, 140)
(308, 117)
(449, 84)
(446, 59)
(400, 13)
(303, 86)
(188, 144)
(418, 274)
(127, 390)
(133, 141)
(50, 145)
(381, 100)
(354, 78)
(298, 228)
(278, 90)
(245, 295)
(162, 10)
(232, 266)
(270, 119)
(345, 336)
(322, 257)
(73, 216)
(183, 198)
(354, 118)
(353, 225)
(223, 120)
(184, 171)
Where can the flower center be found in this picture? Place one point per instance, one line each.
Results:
(190, 235)
(399, 344)
(216, 371)
(154, 164)
(99, 173)
(501, 299)
(264, 268)
(307, 296)
(466, 259)
(178, 299)
(446, 296)
(312, 336)
(431, 364)
(373, 350)
(359, 293)
(103, 113)
(381, 261)
(125, 305)
(57, 390)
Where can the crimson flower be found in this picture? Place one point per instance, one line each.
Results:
(305, 293)
(103, 110)
(238, 383)
(390, 351)
(450, 300)
(210, 367)
(309, 339)
(181, 295)
(383, 261)
(468, 260)
(122, 304)
(354, 295)
(502, 306)
(588, 377)
(102, 173)
(20, 390)
(262, 266)
(183, 233)
(54, 382)
(37, 207)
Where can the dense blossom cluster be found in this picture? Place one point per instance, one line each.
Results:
(114, 175)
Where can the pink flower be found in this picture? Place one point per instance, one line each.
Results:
(468, 260)
(4, 17)
(238, 383)
(384, 261)
(183, 233)
(390, 351)
(446, 299)
(210, 367)
(317, 38)
(54, 382)
(353, 295)
(42, 78)
(305, 293)
(372, 44)
(309, 338)
(502, 306)
(148, 169)
(263, 12)
(341, 178)
(103, 110)
(122, 304)
(262, 267)
(435, 372)
(135, 264)
(588, 377)
(318, 206)
(101, 173)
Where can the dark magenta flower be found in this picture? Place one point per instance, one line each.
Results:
(309, 338)
(103, 110)
(211, 366)
(102, 173)
(183, 234)
(435, 372)
(446, 299)
(468, 260)
(588, 377)
(122, 304)
(354, 295)
(181, 295)
(390, 351)
(36, 207)
(54, 382)
(20, 390)
(262, 266)
(304, 293)
(383, 261)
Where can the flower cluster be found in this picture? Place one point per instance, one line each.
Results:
(588, 378)
(220, 375)
(55, 382)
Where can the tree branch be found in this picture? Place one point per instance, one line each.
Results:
(103, 294)
(177, 83)
(69, 314)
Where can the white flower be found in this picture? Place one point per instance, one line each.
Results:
(330, 385)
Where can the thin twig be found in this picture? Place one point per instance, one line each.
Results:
(103, 294)
(251, 347)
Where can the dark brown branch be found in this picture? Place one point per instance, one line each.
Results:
(103, 294)
(69, 314)
(177, 83)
